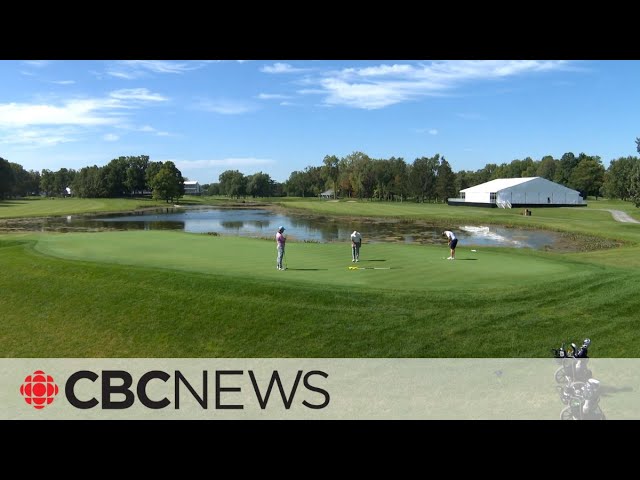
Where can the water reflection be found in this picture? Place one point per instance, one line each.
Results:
(263, 224)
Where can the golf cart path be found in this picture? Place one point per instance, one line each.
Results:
(618, 215)
(621, 216)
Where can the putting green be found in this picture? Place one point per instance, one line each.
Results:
(384, 266)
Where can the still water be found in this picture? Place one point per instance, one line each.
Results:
(263, 223)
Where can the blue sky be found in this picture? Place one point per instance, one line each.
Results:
(279, 116)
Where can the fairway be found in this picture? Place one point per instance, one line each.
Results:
(382, 266)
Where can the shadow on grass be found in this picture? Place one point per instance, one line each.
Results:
(6, 203)
(307, 269)
(607, 390)
(373, 260)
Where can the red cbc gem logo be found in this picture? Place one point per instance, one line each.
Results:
(39, 389)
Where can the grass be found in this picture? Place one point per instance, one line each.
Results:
(169, 294)
(50, 207)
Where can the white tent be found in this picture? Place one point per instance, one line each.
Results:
(519, 192)
(326, 194)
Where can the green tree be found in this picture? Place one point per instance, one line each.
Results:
(7, 180)
(47, 178)
(135, 173)
(152, 170)
(463, 180)
(62, 179)
(547, 167)
(422, 177)
(564, 168)
(168, 183)
(617, 178)
(587, 177)
(487, 173)
(398, 187)
(635, 185)
(89, 183)
(21, 181)
(297, 185)
(212, 189)
(115, 175)
(445, 183)
(233, 183)
(259, 185)
(332, 171)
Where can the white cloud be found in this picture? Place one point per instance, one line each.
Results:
(45, 123)
(471, 116)
(130, 69)
(225, 162)
(82, 111)
(282, 68)
(125, 75)
(37, 137)
(383, 85)
(273, 96)
(362, 95)
(383, 70)
(141, 94)
(225, 106)
(150, 129)
(37, 63)
(430, 131)
(144, 128)
(63, 82)
(74, 112)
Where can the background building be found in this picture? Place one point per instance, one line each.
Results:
(519, 192)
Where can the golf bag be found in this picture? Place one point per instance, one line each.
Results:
(572, 368)
(583, 401)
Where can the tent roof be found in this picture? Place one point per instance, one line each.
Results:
(499, 184)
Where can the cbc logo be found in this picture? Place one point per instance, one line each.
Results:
(39, 389)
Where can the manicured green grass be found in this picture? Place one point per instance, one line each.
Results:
(168, 294)
(49, 207)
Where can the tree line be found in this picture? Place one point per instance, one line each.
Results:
(121, 177)
(426, 179)
(431, 179)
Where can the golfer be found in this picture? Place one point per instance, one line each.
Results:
(280, 241)
(356, 243)
(453, 241)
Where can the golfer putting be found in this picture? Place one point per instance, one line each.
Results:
(453, 242)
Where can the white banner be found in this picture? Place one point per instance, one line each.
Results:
(318, 388)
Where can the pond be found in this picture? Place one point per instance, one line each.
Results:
(263, 223)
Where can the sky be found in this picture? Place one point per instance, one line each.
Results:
(279, 116)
